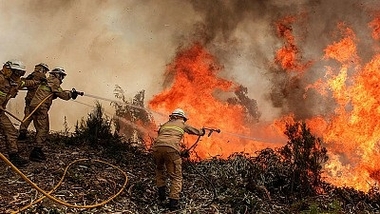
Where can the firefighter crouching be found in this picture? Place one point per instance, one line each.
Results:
(39, 73)
(166, 154)
(51, 89)
(10, 83)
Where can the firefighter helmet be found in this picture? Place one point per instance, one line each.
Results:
(44, 65)
(17, 67)
(179, 113)
(58, 70)
(59, 73)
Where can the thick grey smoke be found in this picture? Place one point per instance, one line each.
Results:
(128, 43)
(243, 36)
(100, 44)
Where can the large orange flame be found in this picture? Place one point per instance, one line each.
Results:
(351, 133)
(288, 55)
(198, 90)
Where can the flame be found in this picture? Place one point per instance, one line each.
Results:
(375, 25)
(196, 88)
(351, 132)
(288, 56)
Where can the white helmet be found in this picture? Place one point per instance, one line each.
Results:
(179, 113)
(44, 65)
(60, 72)
(17, 67)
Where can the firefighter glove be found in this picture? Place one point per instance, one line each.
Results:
(185, 154)
(75, 93)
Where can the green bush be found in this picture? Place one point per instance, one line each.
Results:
(96, 129)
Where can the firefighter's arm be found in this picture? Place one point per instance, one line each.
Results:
(15, 86)
(28, 83)
(63, 94)
(191, 130)
(75, 93)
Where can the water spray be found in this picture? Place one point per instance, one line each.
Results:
(244, 136)
(135, 126)
(122, 103)
(161, 114)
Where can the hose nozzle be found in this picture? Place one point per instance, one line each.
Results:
(211, 131)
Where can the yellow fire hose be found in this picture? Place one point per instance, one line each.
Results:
(47, 194)
(35, 109)
(30, 114)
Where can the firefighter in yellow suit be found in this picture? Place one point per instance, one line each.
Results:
(39, 73)
(10, 83)
(166, 154)
(42, 100)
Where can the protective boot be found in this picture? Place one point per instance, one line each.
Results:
(37, 155)
(17, 160)
(173, 204)
(161, 194)
(22, 135)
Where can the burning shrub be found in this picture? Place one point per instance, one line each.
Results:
(305, 156)
(290, 172)
(131, 117)
(287, 174)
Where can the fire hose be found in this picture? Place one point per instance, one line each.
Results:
(211, 130)
(54, 199)
(48, 194)
(39, 104)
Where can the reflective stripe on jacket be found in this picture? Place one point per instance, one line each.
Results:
(171, 133)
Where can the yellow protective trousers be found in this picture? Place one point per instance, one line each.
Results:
(169, 159)
(10, 133)
(41, 123)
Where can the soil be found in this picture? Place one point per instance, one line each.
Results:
(210, 186)
(91, 182)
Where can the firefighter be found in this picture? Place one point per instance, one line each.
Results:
(10, 83)
(38, 74)
(167, 155)
(41, 101)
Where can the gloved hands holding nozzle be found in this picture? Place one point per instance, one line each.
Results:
(75, 93)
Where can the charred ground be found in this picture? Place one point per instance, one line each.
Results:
(283, 180)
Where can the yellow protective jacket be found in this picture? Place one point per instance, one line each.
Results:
(35, 75)
(53, 86)
(9, 88)
(171, 133)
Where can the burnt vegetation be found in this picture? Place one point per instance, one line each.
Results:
(283, 180)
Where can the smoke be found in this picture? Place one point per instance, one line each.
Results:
(103, 43)
(99, 43)
(243, 36)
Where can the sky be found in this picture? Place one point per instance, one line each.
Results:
(104, 43)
